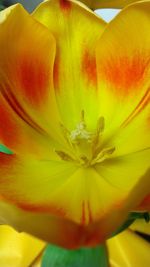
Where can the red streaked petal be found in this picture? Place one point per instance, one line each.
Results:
(75, 79)
(27, 102)
(25, 65)
(123, 69)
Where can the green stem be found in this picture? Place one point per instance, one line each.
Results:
(85, 257)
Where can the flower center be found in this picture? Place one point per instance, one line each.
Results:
(85, 145)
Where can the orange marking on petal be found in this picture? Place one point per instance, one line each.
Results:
(141, 106)
(89, 67)
(47, 208)
(16, 107)
(92, 240)
(93, 235)
(125, 72)
(65, 5)
(6, 165)
(7, 160)
(8, 127)
(145, 204)
(90, 213)
(75, 232)
(34, 80)
(83, 219)
(56, 73)
(86, 219)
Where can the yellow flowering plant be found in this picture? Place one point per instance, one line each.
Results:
(74, 120)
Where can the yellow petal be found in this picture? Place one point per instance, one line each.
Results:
(76, 30)
(53, 200)
(141, 226)
(95, 4)
(118, 212)
(30, 184)
(128, 249)
(57, 188)
(27, 104)
(50, 228)
(123, 66)
(18, 249)
(124, 172)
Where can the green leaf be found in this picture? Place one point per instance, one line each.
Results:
(5, 149)
(4, 4)
(131, 218)
(140, 215)
(85, 257)
(1, 5)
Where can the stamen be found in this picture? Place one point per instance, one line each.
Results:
(66, 134)
(64, 156)
(84, 160)
(104, 154)
(65, 131)
(99, 130)
(82, 115)
(100, 125)
(85, 146)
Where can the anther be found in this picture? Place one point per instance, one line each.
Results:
(64, 156)
(104, 154)
(99, 130)
(100, 125)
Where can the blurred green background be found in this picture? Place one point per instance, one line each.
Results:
(28, 4)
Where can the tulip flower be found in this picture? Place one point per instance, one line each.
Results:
(96, 4)
(74, 112)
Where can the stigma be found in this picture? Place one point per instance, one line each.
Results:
(81, 133)
(85, 145)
